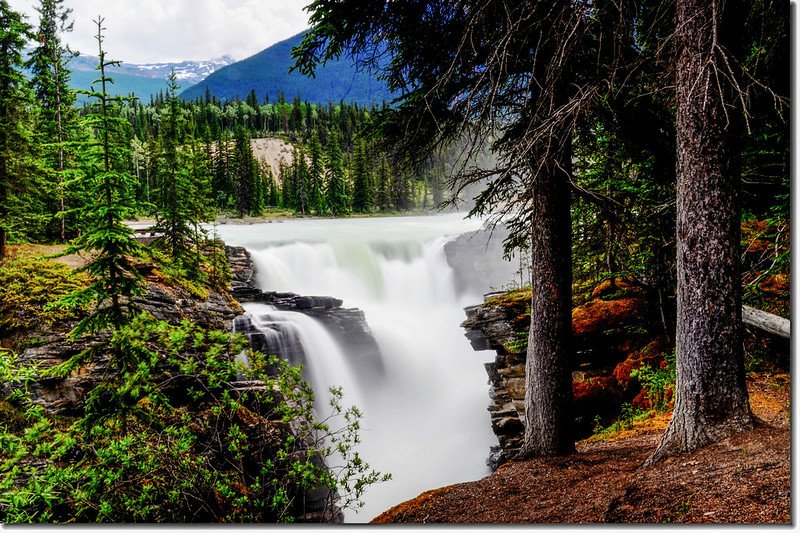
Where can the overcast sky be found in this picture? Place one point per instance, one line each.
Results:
(146, 31)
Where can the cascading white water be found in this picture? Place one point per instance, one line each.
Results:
(425, 418)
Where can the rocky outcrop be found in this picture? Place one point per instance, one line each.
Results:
(347, 325)
(614, 333)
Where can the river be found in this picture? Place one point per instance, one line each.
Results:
(425, 418)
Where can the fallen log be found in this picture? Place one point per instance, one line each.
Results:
(768, 322)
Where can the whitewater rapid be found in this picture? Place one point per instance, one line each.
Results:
(425, 418)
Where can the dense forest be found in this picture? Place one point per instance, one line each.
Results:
(639, 142)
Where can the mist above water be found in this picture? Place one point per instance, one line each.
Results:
(425, 418)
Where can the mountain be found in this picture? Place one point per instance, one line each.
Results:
(267, 72)
(187, 72)
(143, 80)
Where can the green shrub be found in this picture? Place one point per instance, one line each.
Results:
(27, 286)
(168, 438)
(659, 383)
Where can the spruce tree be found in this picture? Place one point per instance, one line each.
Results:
(383, 197)
(243, 164)
(363, 181)
(316, 175)
(200, 200)
(337, 198)
(301, 182)
(173, 216)
(50, 79)
(15, 110)
(105, 237)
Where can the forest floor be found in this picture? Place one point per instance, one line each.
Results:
(744, 479)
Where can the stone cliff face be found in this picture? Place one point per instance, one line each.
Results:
(615, 332)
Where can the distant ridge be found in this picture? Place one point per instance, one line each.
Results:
(267, 72)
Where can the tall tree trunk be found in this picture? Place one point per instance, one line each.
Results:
(548, 387)
(711, 399)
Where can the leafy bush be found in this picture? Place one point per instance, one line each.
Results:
(659, 383)
(172, 438)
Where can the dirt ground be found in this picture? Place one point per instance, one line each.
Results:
(744, 479)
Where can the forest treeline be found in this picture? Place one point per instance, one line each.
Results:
(202, 148)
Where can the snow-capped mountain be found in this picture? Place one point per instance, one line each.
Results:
(187, 72)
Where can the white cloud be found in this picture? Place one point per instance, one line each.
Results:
(172, 30)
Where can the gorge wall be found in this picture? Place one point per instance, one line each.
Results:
(615, 332)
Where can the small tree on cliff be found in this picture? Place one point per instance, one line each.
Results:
(105, 237)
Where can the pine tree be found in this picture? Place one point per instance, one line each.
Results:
(337, 198)
(363, 181)
(173, 216)
(50, 80)
(243, 164)
(316, 175)
(105, 237)
(383, 198)
(274, 199)
(15, 110)
(301, 182)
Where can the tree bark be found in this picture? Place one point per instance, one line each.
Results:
(711, 399)
(548, 387)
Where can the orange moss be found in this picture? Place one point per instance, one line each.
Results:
(409, 508)
(598, 315)
(611, 286)
(600, 389)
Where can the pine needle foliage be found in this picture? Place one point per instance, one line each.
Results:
(105, 236)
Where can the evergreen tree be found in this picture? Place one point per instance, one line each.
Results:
(316, 175)
(274, 191)
(301, 182)
(105, 237)
(50, 80)
(200, 201)
(383, 197)
(260, 194)
(337, 198)
(243, 164)
(15, 113)
(363, 180)
(173, 216)
(223, 183)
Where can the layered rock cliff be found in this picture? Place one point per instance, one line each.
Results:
(615, 332)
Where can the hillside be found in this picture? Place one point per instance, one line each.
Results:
(267, 72)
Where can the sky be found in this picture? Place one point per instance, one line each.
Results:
(150, 31)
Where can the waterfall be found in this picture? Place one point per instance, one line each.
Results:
(425, 418)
